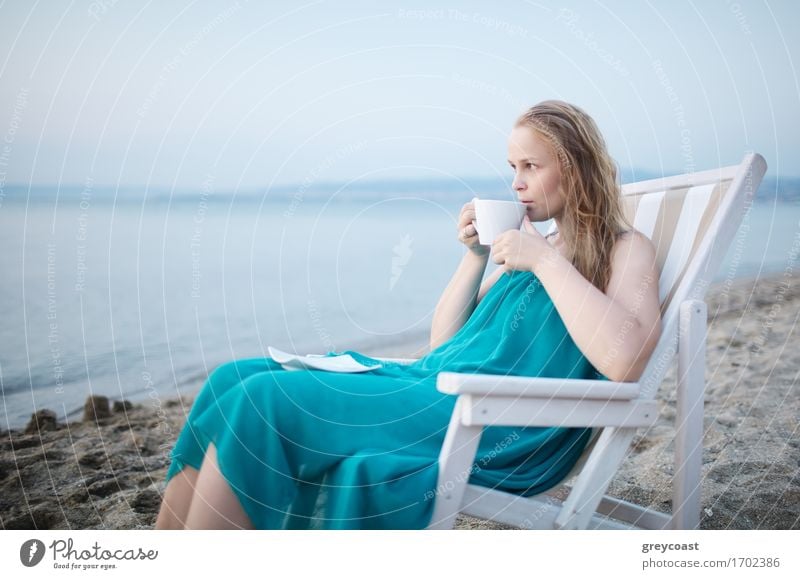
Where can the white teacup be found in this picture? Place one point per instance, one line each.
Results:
(493, 217)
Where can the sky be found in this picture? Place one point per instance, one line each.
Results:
(242, 95)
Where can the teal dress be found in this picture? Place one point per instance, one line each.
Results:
(307, 449)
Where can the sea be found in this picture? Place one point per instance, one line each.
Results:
(139, 298)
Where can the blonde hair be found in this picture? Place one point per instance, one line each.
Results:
(593, 214)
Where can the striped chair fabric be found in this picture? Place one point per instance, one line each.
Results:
(675, 220)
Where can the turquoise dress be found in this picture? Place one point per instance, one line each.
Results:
(307, 449)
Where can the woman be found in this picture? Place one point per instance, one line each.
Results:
(267, 448)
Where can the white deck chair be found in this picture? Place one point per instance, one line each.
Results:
(691, 220)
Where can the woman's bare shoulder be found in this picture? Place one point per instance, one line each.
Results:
(633, 260)
(634, 240)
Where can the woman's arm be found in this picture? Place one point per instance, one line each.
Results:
(458, 299)
(616, 331)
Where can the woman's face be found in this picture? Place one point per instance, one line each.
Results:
(537, 178)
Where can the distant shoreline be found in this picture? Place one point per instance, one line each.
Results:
(785, 189)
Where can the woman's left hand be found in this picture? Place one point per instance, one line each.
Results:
(519, 249)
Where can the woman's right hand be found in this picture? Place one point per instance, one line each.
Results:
(467, 234)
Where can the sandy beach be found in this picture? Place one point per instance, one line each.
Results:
(107, 472)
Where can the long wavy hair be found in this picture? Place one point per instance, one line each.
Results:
(593, 214)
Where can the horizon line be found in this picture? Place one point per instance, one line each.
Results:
(328, 184)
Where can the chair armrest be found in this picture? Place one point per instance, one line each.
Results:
(535, 387)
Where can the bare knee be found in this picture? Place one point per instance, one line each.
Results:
(215, 505)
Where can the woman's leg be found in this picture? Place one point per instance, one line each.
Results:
(177, 499)
(214, 506)
(181, 488)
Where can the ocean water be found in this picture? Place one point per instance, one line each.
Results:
(140, 300)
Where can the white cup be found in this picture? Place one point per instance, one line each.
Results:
(493, 217)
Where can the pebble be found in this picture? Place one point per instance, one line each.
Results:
(42, 421)
(122, 406)
(96, 408)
